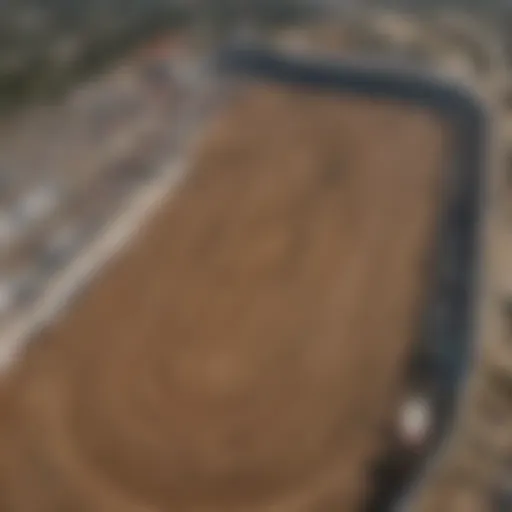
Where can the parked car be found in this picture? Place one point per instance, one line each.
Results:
(60, 248)
(17, 291)
(37, 204)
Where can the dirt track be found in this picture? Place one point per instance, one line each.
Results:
(245, 352)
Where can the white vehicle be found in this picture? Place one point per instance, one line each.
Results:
(38, 204)
(415, 420)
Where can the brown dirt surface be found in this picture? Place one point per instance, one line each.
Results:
(245, 351)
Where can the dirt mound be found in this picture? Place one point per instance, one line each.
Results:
(245, 351)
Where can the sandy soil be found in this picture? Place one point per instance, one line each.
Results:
(244, 353)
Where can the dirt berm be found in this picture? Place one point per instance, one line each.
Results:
(244, 352)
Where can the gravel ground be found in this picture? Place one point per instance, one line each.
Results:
(245, 351)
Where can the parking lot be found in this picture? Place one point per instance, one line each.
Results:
(67, 169)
